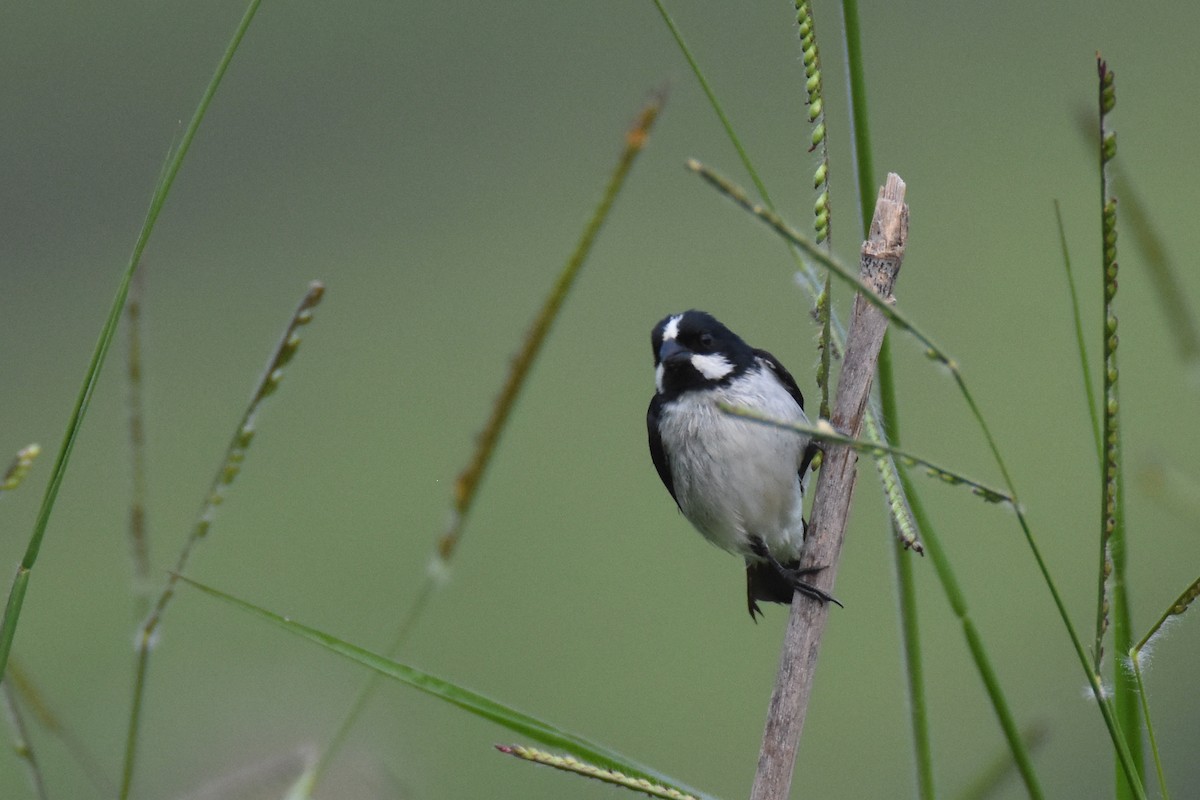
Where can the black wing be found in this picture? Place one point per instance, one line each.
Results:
(785, 377)
(657, 452)
(789, 383)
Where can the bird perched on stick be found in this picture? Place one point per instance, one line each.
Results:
(740, 483)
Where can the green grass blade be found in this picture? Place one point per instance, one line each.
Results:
(1080, 340)
(860, 128)
(1136, 665)
(914, 670)
(976, 647)
(1111, 722)
(16, 596)
(473, 702)
(892, 476)
(716, 104)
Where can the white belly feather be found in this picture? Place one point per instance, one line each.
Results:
(750, 469)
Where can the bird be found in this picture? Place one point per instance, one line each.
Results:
(739, 483)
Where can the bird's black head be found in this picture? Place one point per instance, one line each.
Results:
(693, 350)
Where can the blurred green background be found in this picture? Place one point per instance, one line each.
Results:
(434, 164)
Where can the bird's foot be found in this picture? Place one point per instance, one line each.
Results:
(793, 575)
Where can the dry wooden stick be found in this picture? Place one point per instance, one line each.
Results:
(882, 255)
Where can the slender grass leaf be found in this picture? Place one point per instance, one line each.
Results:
(16, 595)
(473, 702)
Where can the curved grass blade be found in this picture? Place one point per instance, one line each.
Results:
(231, 466)
(16, 595)
(577, 767)
(473, 702)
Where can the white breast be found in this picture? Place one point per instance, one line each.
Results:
(734, 478)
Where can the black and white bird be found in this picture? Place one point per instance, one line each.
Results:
(740, 483)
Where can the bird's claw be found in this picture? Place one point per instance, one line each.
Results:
(793, 575)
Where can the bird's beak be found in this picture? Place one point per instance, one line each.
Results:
(672, 350)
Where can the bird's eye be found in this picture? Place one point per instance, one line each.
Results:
(706, 340)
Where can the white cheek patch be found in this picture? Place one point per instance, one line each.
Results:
(713, 367)
(658, 378)
(671, 332)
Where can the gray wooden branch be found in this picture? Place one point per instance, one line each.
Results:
(882, 255)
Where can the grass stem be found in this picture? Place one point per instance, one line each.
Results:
(227, 472)
(16, 595)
